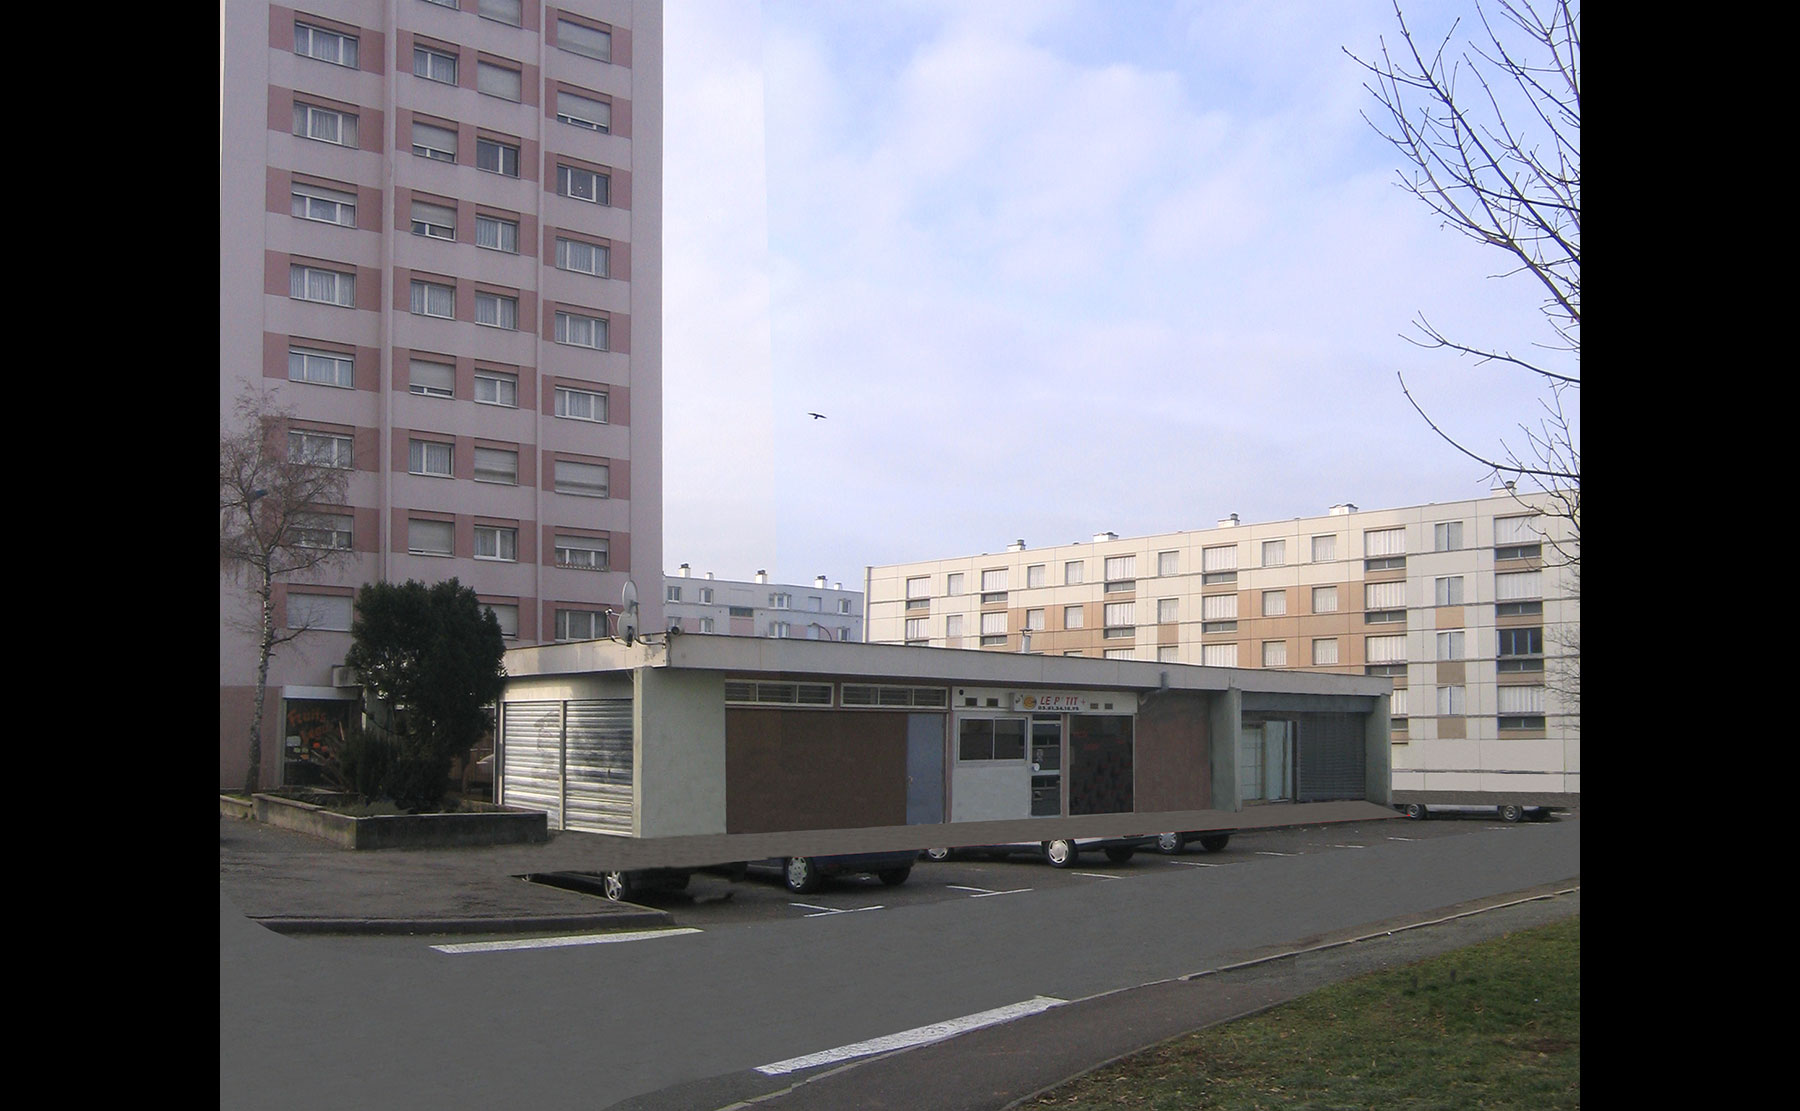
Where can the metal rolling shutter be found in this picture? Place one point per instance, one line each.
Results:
(531, 757)
(1331, 758)
(597, 795)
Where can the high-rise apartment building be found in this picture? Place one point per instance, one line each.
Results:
(440, 234)
(1469, 607)
(760, 608)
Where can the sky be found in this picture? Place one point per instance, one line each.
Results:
(1050, 268)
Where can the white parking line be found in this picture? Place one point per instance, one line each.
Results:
(1269, 852)
(983, 892)
(831, 910)
(559, 942)
(1097, 875)
(1402, 838)
(1198, 863)
(921, 1035)
(1349, 846)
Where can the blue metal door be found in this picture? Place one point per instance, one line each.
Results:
(924, 769)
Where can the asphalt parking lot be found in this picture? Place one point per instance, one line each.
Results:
(713, 900)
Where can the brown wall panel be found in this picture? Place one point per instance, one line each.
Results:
(813, 769)
(1174, 752)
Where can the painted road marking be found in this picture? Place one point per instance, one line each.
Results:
(982, 892)
(1199, 863)
(1270, 852)
(559, 942)
(1349, 846)
(1097, 875)
(1402, 838)
(921, 1035)
(831, 910)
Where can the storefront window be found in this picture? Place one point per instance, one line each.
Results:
(311, 726)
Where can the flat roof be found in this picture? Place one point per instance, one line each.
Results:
(906, 664)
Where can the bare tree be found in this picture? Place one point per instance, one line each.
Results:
(1491, 138)
(274, 522)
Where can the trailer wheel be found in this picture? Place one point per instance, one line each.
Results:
(802, 875)
(1213, 842)
(894, 877)
(1170, 843)
(1120, 855)
(1061, 853)
(619, 886)
(1416, 811)
(937, 854)
(1511, 813)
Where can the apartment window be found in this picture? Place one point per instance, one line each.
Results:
(1384, 542)
(578, 38)
(506, 616)
(1274, 653)
(493, 387)
(434, 64)
(585, 553)
(588, 480)
(328, 206)
(1167, 610)
(331, 612)
(433, 221)
(453, 5)
(494, 79)
(1521, 707)
(1450, 645)
(1324, 651)
(706, 595)
(494, 464)
(706, 625)
(436, 538)
(319, 449)
(1119, 653)
(1452, 701)
(918, 593)
(1324, 548)
(1074, 573)
(1324, 599)
(953, 624)
(495, 542)
(1515, 585)
(429, 379)
(1519, 551)
(1384, 599)
(429, 457)
(781, 630)
(1449, 590)
(1218, 655)
(326, 46)
(1274, 553)
(1035, 576)
(994, 580)
(1218, 566)
(953, 583)
(1121, 567)
(583, 185)
(1447, 536)
(582, 258)
(495, 233)
(1521, 642)
(327, 287)
(496, 310)
(1515, 530)
(434, 142)
(580, 625)
(433, 299)
(1118, 615)
(1167, 563)
(583, 111)
(1219, 607)
(844, 606)
(993, 628)
(1074, 617)
(1397, 707)
(1274, 603)
(496, 157)
(327, 125)
(915, 630)
(781, 601)
(509, 12)
(672, 594)
(578, 330)
(323, 530)
(580, 404)
(1518, 609)
(321, 368)
(1168, 654)
(1384, 649)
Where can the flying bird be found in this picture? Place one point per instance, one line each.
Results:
(816, 416)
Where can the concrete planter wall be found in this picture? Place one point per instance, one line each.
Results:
(496, 826)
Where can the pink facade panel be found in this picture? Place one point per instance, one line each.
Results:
(365, 534)
(619, 479)
(618, 405)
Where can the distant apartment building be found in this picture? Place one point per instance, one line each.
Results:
(440, 241)
(1468, 607)
(760, 608)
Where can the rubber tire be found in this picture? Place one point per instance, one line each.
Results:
(801, 875)
(1120, 855)
(1170, 844)
(1213, 842)
(620, 886)
(1416, 811)
(1511, 813)
(894, 877)
(1061, 853)
(937, 854)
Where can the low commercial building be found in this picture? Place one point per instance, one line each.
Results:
(703, 747)
(1472, 609)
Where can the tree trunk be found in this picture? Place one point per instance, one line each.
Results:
(265, 649)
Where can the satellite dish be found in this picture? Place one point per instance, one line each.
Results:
(628, 616)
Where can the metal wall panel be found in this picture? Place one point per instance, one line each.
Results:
(1331, 758)
(531, 757)
(598, 787)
